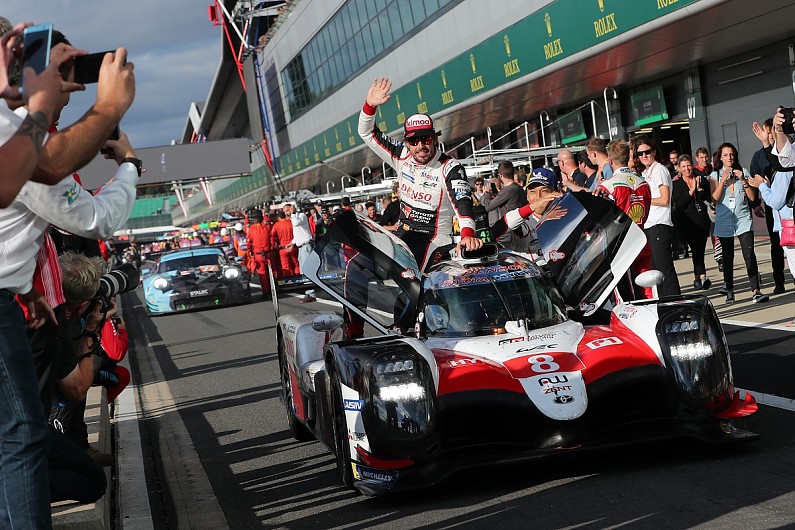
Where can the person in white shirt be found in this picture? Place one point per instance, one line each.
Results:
(659, 227)
(302, 235)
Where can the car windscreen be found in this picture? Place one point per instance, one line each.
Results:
(189, 262)
(473, 305)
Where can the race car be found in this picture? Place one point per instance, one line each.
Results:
(487, 358)
(195, 278)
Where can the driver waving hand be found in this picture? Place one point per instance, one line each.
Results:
(432, 186)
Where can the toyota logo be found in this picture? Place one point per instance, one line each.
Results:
(563, 399)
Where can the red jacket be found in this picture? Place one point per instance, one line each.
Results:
(259, 238)
(282, 234)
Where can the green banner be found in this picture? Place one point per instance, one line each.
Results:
(561, 29)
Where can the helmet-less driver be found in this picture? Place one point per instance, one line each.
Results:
(432, 186)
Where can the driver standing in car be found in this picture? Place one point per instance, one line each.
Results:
(432, 186)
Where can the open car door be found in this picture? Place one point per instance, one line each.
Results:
(589, 249)
(376, 276)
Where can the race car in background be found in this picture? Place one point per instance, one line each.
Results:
(195, 278)
(487, 358)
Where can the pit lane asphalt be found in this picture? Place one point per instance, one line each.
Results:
(217, 453)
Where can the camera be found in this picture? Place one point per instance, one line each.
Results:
(121, 280)
(789, 115)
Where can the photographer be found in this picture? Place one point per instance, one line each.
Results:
(82, 321)
(64, 354)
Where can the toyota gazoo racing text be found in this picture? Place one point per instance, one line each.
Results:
(488, 358)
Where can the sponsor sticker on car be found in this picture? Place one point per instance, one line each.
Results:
(353, 404)
(387, 476)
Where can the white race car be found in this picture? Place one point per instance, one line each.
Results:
(488, 358)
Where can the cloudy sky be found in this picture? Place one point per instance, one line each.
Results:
(175, 49)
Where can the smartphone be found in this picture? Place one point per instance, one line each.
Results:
(114, 135)
(36, 48)
(87, 67)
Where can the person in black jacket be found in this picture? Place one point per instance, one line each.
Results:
(691, 195)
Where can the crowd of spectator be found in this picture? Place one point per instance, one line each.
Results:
(57, 337)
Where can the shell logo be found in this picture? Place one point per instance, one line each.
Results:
(636, 212)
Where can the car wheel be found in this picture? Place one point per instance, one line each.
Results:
(297, 429)
(341, 444)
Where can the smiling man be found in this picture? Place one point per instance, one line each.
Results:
(432, 186)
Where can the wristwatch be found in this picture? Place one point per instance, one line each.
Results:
(136, 162)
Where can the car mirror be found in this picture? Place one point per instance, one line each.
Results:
(436, 318)
(649, 278)
(327, 322)
(146, 272)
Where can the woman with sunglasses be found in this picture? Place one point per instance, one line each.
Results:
(733, 196)
(659, 226)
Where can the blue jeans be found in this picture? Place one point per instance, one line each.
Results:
(24, 434)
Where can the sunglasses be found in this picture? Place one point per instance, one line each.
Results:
(426, 140)
(646, 152)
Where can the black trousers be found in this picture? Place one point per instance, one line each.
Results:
(74, 476)
(696, 238)
(776, 252)
(749, 256)
(661, 239)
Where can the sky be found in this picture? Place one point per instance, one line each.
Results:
(175, 49)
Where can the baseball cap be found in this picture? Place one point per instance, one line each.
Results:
(417, 126)
(319, 202)
(542, 177)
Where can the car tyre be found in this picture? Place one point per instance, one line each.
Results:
(341, 445)
(297, 429)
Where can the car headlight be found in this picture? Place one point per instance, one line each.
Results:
(696, 352)
(401, 395)
(231, 273)
(160, 283)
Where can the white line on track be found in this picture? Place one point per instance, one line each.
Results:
(771, 400)
(747, 324)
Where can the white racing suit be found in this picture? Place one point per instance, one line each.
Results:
(430, 194)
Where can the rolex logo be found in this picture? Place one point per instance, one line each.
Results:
(601, 5)
(548, 23)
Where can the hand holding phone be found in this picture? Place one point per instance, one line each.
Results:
(87, 67)
(36, 41)
(8, 42)
(114, 135)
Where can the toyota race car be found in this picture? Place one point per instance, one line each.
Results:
(488, 358)
(194, 278)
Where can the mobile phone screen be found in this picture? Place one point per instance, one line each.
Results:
(87, 67)
(36, 48)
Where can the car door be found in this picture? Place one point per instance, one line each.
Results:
(589, 249)
(367, 269)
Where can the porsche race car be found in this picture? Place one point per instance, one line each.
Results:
(200, 277)
(489, 358)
